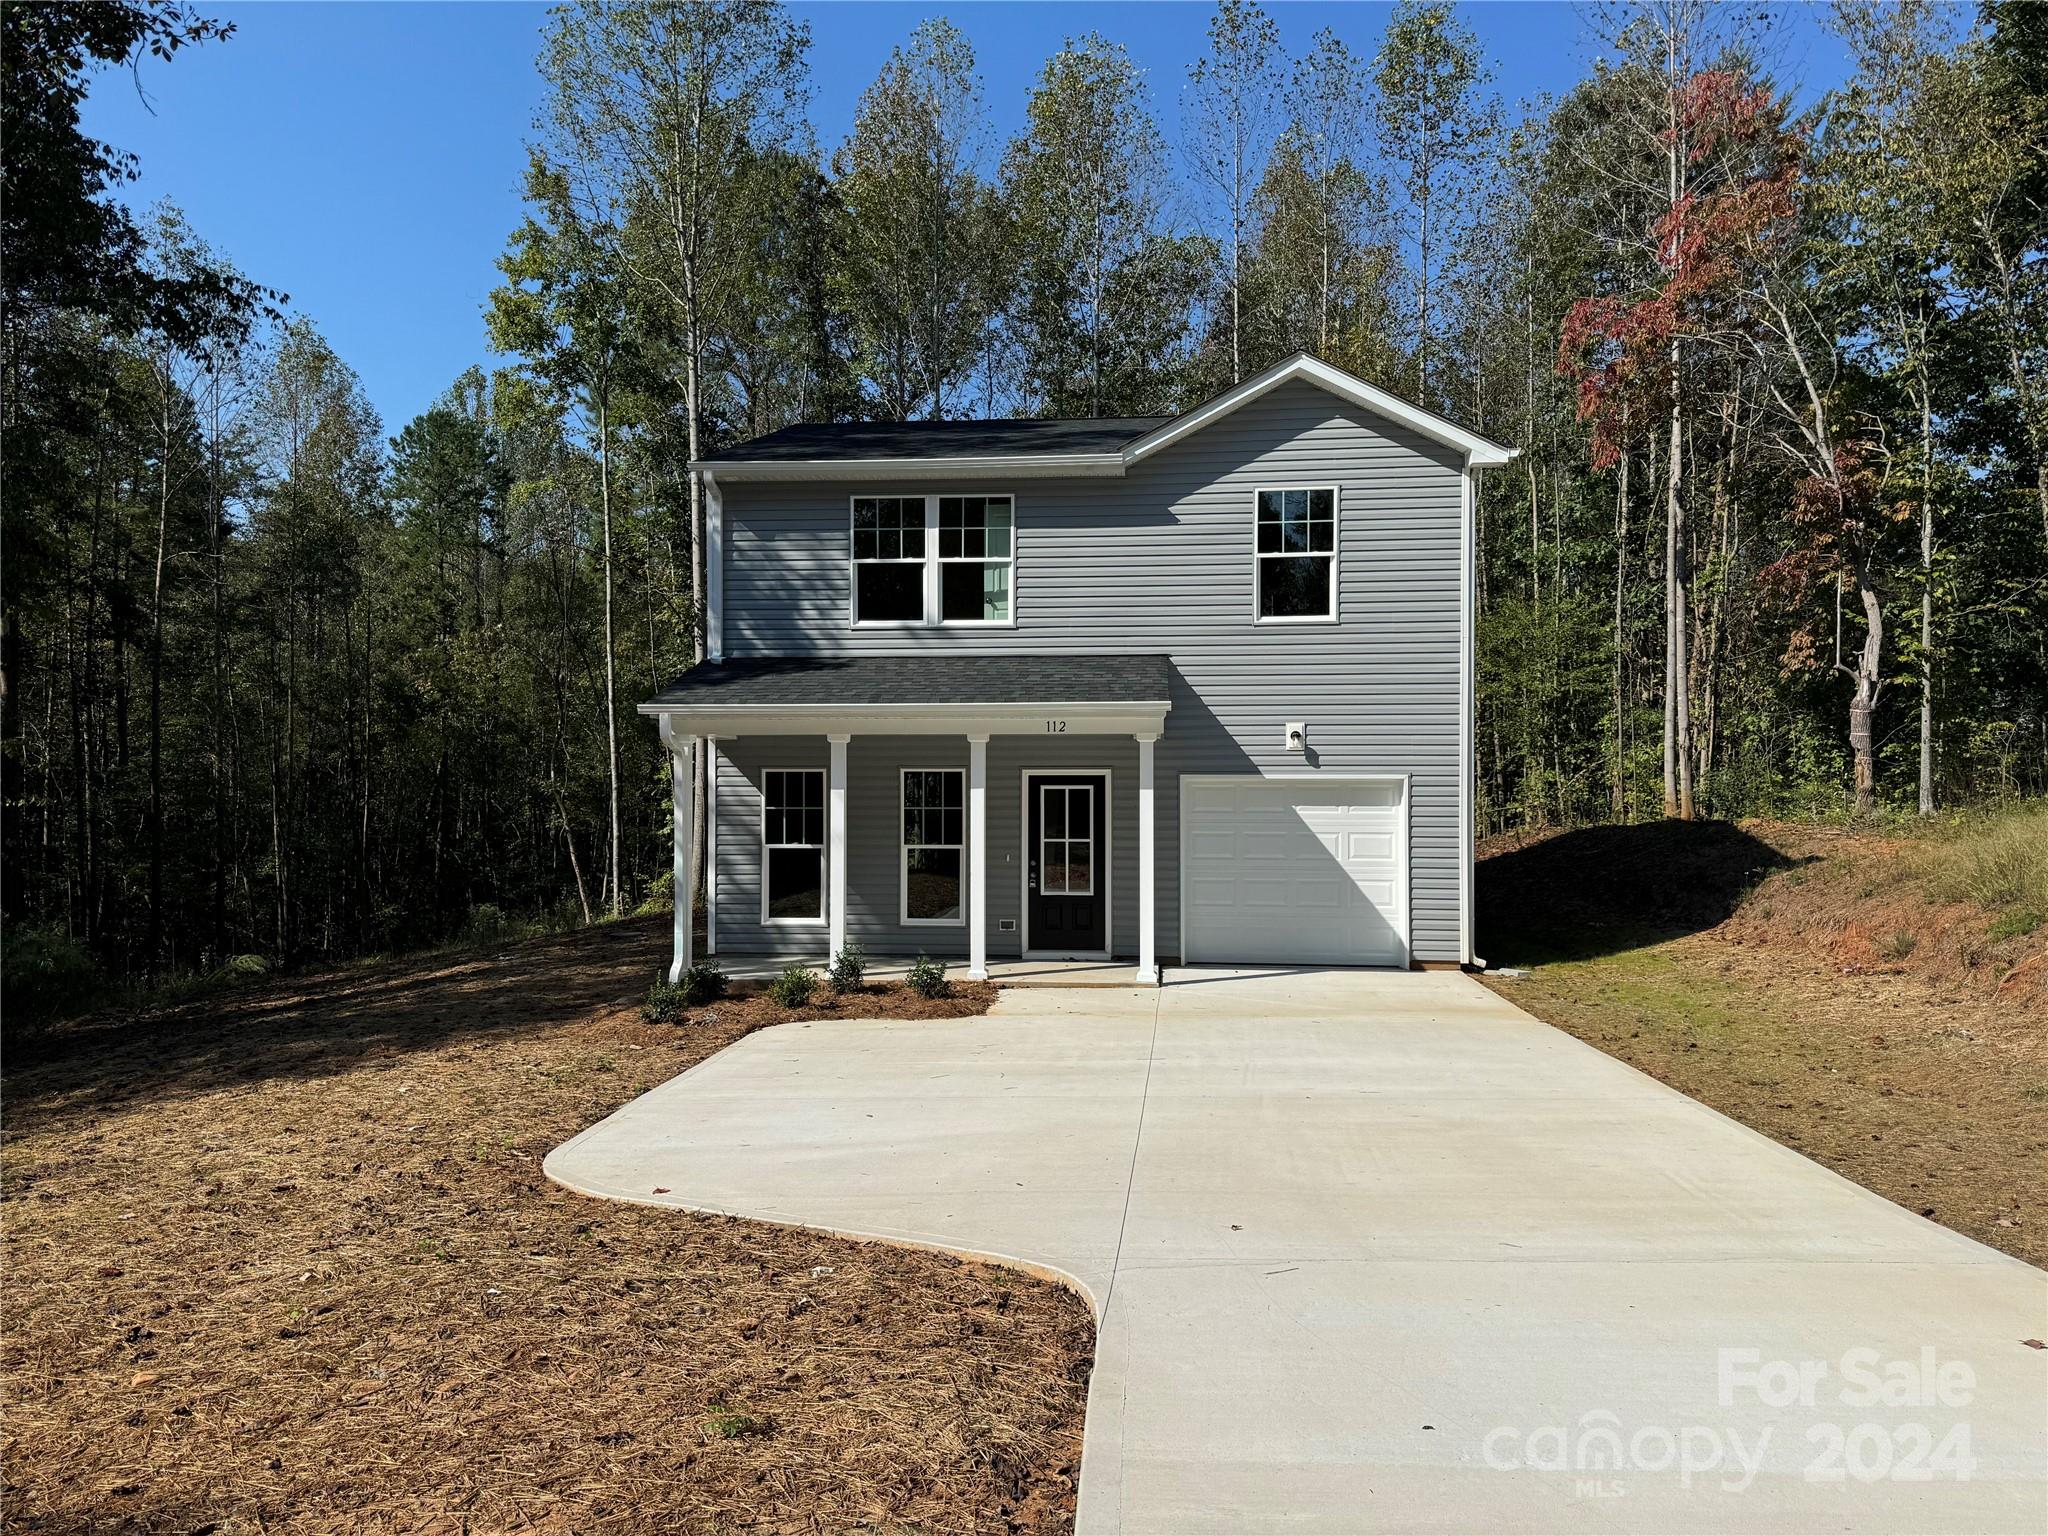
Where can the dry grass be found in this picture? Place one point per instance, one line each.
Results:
(1817, 985)
(1998, 863)
(287, 1261)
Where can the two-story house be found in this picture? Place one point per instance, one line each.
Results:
(1193, 688)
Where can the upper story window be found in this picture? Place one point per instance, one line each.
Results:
(888, 560)
(933, 559)
(974, 559)
(1295, 563)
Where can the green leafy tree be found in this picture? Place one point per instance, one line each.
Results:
(1233, 114)
(1103, 291)
(920, 224)
(1435, 121)
(564, 309)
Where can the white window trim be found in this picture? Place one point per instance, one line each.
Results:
(932, 562)
(824, 867)
(922, 562)
(903, 854)
(1068, 838)
(1335, 556)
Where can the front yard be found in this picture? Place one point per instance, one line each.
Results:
(286, 1260)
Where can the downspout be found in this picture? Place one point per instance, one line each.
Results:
(714, 568)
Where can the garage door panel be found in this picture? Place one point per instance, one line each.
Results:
(1283, 871)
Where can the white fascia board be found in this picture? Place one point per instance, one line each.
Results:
(1035, 466)
(1093, 718)
(1478, 450)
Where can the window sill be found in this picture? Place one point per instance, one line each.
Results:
(1306, 618)
(792, 922)
(924, 624)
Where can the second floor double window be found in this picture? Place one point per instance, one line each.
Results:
(933, 559)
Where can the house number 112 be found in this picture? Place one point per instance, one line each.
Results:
(1056, 726)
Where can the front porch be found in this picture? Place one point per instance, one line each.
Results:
(938, 805)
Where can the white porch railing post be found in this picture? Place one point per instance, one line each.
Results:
(682, 787)
(1148, 958)
(977, 858)
(835, 847)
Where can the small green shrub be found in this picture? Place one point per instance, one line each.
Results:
(665, 1003)
(47, 975)
(849, 966)
(726, 1425)
(702, 983)
(927, 978)
(793, 988)
(667, 1000)
(2016, 924)
(660, 897)
(1901, 943)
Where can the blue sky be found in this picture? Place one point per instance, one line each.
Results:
(365, 157)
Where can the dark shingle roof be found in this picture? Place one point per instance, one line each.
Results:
(1018, 678)
(939, 439)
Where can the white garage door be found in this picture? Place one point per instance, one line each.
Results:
(1294, 871)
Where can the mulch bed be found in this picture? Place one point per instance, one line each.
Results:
(286, 1261)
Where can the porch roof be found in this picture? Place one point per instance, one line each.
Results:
(761, 695)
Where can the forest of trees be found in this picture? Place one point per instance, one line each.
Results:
(277, 683)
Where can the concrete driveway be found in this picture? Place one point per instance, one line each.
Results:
(1380, 1252)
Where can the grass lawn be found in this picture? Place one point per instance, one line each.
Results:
(285, 1260)
(1823, 989)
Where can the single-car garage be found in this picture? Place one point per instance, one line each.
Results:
(1296, 871)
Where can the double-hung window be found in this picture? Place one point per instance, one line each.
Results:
(932, 844)
(793, 845)
(933, 560)
(888, 559)
(1296, 554)
(974, 559)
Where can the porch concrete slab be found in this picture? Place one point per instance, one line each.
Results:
(1379, 1252)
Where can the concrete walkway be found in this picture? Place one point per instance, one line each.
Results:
(1380, 1252)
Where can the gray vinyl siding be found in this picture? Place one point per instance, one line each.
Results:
(1160, 560)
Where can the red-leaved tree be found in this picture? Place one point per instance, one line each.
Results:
(1735, 271)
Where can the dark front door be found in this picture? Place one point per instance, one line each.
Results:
(1067, 854)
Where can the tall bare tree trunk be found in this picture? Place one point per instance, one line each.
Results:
(1863, 699)
(611, 708)
(1618, 797)
(1926, 603)
(154, 959)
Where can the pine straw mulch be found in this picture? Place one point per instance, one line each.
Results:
(286, 1261)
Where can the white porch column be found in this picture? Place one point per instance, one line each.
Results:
(835, 848)
(708, 745)
(1148, 957)
(682, 786)
(977, 858)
